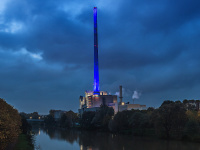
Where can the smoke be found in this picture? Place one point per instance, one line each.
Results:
(136, 95)
(126, 93)
(116, 93)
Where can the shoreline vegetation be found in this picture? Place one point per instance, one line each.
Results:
(14, 129)
(172, 120)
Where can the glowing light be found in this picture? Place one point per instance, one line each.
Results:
(96, 66)
(81, 147)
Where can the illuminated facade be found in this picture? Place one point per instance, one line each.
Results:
(91, 101)
(86, 102)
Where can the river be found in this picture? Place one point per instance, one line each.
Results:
(56, 139)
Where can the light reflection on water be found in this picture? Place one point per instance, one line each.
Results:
(55, 139)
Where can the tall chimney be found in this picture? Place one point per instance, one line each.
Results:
(96, 65)
(120, 94)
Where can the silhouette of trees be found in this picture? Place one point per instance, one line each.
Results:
(139, 121)
(86, 120)
(33, 115)
(192, 124)
(49, 120)
(120, 121)
(68, 119)
(99, 119)
(103, 116)
(171, 119)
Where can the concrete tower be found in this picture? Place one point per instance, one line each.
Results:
(96, 63)
(120, 94)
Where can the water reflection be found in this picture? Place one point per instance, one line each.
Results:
(85, 140)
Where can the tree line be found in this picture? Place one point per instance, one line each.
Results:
(172, 120)
(14, 129)
(68, 119)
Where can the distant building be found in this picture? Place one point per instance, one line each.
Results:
(131, 106)
(126, 106)
(92, 102)
(192, 104)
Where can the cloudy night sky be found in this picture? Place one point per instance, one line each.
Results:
(46, 51)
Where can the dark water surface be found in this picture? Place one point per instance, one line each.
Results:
(55, 139)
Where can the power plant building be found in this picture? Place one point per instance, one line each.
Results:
(92, 102)
(94, 99)
(126, 106)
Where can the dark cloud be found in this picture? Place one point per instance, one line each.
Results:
(46, 51)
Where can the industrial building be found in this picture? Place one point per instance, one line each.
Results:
(126, 106)
(92, 102)
(94, 99)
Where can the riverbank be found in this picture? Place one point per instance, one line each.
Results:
(52, 138)
(140, 133)
(24, 142)
(174, 120)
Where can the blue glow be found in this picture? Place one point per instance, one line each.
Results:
(96, 66)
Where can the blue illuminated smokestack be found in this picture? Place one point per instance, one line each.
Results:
(96, 65)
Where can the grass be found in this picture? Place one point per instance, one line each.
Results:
(24, 143)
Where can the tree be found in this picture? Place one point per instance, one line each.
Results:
(68, 119)
(25, 127)
(185, 101)
(166, 102)
(103, 116)
(120, 121)
(49, 120)
(171, 119)
(86, 120)
(35, 115)
(10, 122)
(192, 124)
